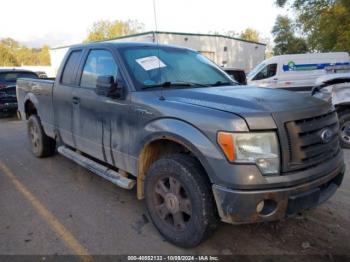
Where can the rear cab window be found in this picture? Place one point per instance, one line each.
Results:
(237, 75)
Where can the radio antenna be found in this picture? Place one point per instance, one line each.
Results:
(155, 20)
(155, 35)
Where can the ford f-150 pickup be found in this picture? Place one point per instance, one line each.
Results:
(197, 146)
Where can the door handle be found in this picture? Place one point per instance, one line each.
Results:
(76, 100)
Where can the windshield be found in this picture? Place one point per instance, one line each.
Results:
(256, 69)
(170, 67)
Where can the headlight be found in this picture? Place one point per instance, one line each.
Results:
(254, 147)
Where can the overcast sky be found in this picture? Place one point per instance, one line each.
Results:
(62, 22)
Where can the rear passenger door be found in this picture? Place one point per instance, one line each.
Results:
(62, 96)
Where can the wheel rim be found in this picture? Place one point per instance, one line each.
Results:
(345, 132)
(34, 137)
(172, 203)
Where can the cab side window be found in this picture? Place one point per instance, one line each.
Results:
(68, 74)
(267, 72)
(98, 63)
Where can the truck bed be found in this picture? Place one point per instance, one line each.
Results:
(40, 92)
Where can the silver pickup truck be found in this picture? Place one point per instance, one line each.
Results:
(197, 146)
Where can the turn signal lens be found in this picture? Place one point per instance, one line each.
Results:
(225, 141)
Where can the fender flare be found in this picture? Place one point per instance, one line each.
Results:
(182, 133)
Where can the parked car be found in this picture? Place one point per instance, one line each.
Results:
(197, 146)
(236, 74)
(335, 89)
(296, 72)
(8, 101)
(8, 78)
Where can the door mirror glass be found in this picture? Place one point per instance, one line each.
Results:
(105, 86)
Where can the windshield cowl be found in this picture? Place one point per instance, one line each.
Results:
(189, 84)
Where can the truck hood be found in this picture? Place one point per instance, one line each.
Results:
(251, 103)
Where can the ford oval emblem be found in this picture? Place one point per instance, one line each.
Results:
(326, 135)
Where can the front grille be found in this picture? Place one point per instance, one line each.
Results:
(305, 144)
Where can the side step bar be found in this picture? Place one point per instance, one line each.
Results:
(97, 168)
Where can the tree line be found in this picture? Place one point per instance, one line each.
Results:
(12, 53)
(318, 26)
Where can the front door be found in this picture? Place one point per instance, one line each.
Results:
(101, 128)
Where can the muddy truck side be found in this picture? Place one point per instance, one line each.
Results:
(198, 147)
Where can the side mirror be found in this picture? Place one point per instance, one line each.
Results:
(105, 86)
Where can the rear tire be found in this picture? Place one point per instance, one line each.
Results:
(180, 201)
(344, 133)
(41, 144)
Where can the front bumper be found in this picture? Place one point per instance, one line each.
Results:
(240, 206)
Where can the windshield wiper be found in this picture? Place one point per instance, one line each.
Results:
(178, 83)
(222, 83)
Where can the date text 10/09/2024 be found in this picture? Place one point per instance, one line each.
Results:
(173, 258)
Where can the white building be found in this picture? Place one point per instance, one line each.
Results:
(223, 50)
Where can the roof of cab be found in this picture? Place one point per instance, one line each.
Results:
(166, 33)
(126, 44)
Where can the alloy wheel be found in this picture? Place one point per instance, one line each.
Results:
(172, 203)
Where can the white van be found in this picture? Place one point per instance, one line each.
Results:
(296, 72)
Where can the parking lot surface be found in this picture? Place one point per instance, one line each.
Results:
(53, 206)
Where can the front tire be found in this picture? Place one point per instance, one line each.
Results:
(41, 144)
(180, 201)
(344, 133)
